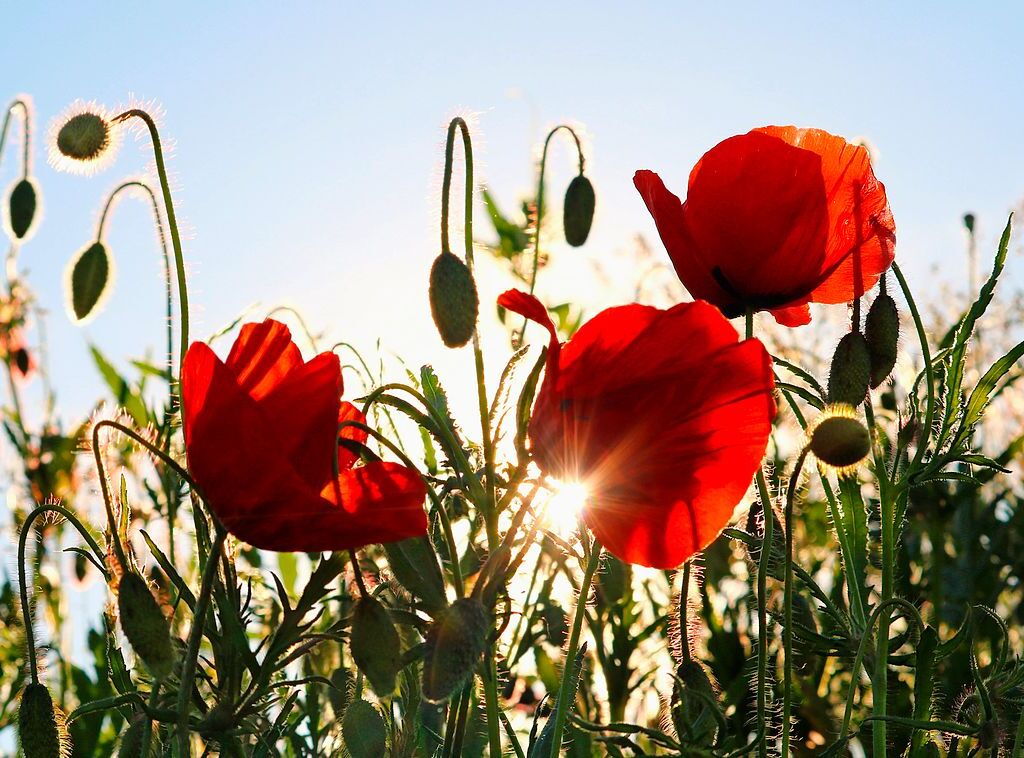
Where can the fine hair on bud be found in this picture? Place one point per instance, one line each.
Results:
(84, 139)
(850, 373)
(42, 729)
(882, 333)
(578, 210)
(454, 303)
(22, 209)
(145, 625)
(839, 440)
(455, 643)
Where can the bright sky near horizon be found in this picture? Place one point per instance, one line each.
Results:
(308, 137)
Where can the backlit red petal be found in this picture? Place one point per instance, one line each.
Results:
(262, 356)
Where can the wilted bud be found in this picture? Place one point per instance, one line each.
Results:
(839, 440)
(578, 210)
(851, 370)
(134, 738)
(376, 646)
(41, 725)
(88, 280)
(145, 625)
(453, 300)
(22, 205)
(882, 333)
(456, 642)
(364, 731)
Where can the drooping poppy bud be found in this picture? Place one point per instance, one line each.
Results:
(88, 280)
(578, 210)
(882, 333)
(850, 373)
(376, 646)
(145, 625)
(364, 731)
(84, 139)
(693, 701)
(41, 725)
(453, 299)
(22, 204)
(839, 440)
(969, 222)
(456, 642)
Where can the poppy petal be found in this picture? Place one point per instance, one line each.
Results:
(534, 310)
(262, 356)
(349, 412)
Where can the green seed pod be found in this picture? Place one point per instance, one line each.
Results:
(145, 625)
(882, 333)
(22, 204)
(88, 280)
(376, 646)
(41, 725)
(456, 641)
(364, 731)
(840, 441)
(453, 300)
(851, 370)
(578, 210)
(84, 137)
(134, 738)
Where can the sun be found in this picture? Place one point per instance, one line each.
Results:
(565, 504)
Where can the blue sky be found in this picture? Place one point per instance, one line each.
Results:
(308, 135)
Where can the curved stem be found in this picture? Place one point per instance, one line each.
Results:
(195, 636)
(163, 249)
(540, 205)
(172, 223)
(26, 609)
(26, 151)
(684, 624)
(566, 686)
(787, 631)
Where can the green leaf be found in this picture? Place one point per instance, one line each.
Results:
(89, 280)
(414, 563)
(122, 392)
(982, 393)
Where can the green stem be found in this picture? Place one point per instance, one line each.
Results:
(172, 223)
(26, 609)
(26, 152)
(763, 568)
(540, 206)
(195, 637)
(566, 688)
(684, 630)
(163, 249)
(491, 699)
(787, 631)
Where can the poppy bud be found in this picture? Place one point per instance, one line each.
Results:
(21, 208)
(41, 725)
(376, 646)
(692, 700)
(969, 222)
(839, 440)
(578, 210)
(338, 694)
(882, 333)
(135, 736)
(364, 731)
(456, 641)
(453, 300)
(88, 280)
(84, 136)
(145, 625)
(851, 370)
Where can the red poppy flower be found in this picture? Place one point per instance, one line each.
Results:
(663, 416)
(775, 219)
(261, 434)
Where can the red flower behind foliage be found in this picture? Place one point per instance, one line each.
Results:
(775, 219)
(663, 415)
(261, 434)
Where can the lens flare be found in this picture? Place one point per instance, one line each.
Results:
(565, 504)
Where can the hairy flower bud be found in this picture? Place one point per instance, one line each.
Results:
(851, 370)
(578, 210)
(839, 440)
(882, 333)
(41, 725)
(84, 137)
(456, 641)
(22, 204)
(364, 731)
(145, 625)
(376, 646)
(134, 737)
(88, 281)
(453, 299)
